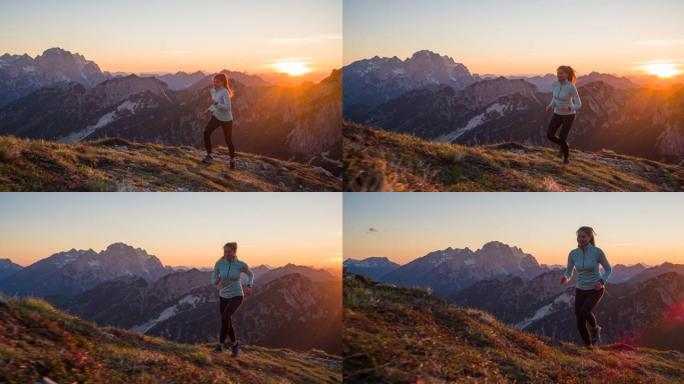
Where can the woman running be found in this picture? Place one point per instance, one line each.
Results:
(226, 276)
(564, 104)
(221, 116)
(589, 287)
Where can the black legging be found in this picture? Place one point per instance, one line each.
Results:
(228, 308)
(227, 134)
(556, 122)
(585, 301)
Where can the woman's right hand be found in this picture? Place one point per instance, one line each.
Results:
(549, 109)
(564, 280)
(218, 281)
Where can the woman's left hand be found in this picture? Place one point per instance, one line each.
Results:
(248, 290)
(598, 285)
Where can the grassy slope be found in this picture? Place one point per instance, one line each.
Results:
(36, 340)
(117, 165)
(376, 160)
(401, 335)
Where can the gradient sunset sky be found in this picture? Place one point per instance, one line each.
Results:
(520, 37)
(186, 229)
(173, 35)
(631, 227)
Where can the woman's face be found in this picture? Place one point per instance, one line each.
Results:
(562, 75)
(582, 239)
(228, 252)
(217, 83)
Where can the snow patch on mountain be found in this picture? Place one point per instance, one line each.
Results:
(191, 300)
(493, 111)
(127, 107)
(562, 300)
(67, 258)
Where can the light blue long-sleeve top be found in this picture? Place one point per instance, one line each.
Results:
(223, 109)
(230, 272)
(586, 262)
(565, 96)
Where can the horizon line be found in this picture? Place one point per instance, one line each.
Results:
(547, 264)
(321, 70)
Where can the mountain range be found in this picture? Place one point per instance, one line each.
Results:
(288, 122)
(21, 74)
(449, 270)
(370, 82)
(126, 287)
(183, 307)
(617, 114)
(76, 271)
(373, 267)
(400, 335)
(640, 307)
(637, 312)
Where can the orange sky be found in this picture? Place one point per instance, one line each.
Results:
(521, 37)
(632, 227)
(174, 35)
(180, 228)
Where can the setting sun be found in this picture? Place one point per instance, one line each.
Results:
(292, 68)
(662, 69)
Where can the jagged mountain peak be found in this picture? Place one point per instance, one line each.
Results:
(8, 268)
(450, 270)
(123, 249)
(428, 55)
(370, 82)
(76, 271)
(121, 245)
(498, 245)
(56, 51)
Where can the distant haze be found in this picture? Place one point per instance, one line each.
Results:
(632, 227)
(520, 37)
(176, 35)
(186, 229)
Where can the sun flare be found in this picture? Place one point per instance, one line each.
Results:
(662, 69)
(292, 68)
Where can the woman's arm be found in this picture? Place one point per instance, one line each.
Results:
(224, 102)
(215, 275)
(607, 269)
(552, 104)
(249, 273)
(570, 268)
(576, 102)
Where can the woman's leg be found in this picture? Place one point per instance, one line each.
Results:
(211, 126)
(554, 124)
(580, 298)
(585, 301)
(224, 327)
(231, 306)
(567, 124)
(228, 136)
(589, 305)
